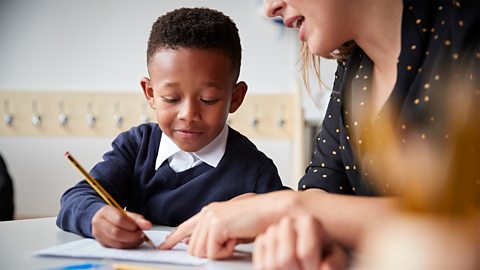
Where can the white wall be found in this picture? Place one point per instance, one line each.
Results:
(100, 45)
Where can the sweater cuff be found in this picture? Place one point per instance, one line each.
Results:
(86, 217)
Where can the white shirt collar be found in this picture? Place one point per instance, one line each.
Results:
(210, 154)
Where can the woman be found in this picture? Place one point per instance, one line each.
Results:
(402, 53)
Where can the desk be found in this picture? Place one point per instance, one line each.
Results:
(20, 238)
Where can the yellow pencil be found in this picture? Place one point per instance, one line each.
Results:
(101, 191)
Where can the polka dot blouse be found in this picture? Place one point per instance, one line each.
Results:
(440, 40)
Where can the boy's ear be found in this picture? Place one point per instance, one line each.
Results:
(147, 91)
(238, 95)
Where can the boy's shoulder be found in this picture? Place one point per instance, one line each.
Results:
(141, 132)
(242, 157)
(235, 138)
(146, 128)
(242, 147)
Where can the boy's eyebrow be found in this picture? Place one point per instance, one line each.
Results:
(213, 85)
(170, 84)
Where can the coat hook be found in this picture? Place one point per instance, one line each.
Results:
(117, 118)
(281, 120)
(91, 119)
(62, 116)
(36, 117)
(7, 116)
(254, 121)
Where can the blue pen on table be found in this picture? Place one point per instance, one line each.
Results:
(83, 266)
(115, 266)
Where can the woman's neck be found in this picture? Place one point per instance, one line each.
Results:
(378, 30)
(378, 33)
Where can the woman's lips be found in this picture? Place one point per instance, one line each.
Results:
(297, 22)
(293, 22)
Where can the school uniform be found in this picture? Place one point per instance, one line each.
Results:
(439, 44)
(146, 172)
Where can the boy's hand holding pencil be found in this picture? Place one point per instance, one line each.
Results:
(112, 226)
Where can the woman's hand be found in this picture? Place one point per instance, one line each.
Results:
(113, 229)
(298, 242)
(216, 229)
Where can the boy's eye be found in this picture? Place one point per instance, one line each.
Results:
(170, 99)
(209, 101)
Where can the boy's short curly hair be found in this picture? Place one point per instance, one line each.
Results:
(196, 28)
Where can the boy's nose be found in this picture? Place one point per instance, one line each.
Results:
(189, 111)
(273, 8)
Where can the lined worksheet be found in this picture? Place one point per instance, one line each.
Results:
(91, 249)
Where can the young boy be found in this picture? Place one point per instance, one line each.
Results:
(167, 172)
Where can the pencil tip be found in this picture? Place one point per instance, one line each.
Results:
(66, 153)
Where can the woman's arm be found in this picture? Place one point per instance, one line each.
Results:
(344, 217)
(219, 226)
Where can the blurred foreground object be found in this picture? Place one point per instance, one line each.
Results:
(437, 180)
(6, 193)
(410, 241)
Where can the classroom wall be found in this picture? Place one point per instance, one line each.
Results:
(92, 45)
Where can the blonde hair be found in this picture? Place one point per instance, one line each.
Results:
(307, 60)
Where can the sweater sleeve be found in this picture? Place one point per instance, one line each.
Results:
(79, 204)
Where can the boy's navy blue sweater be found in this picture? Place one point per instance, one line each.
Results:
(163, 196)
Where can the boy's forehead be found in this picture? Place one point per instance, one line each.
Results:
(206, 61)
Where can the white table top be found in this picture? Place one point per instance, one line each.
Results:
(21, 238)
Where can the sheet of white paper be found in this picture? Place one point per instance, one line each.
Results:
(90, 248)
